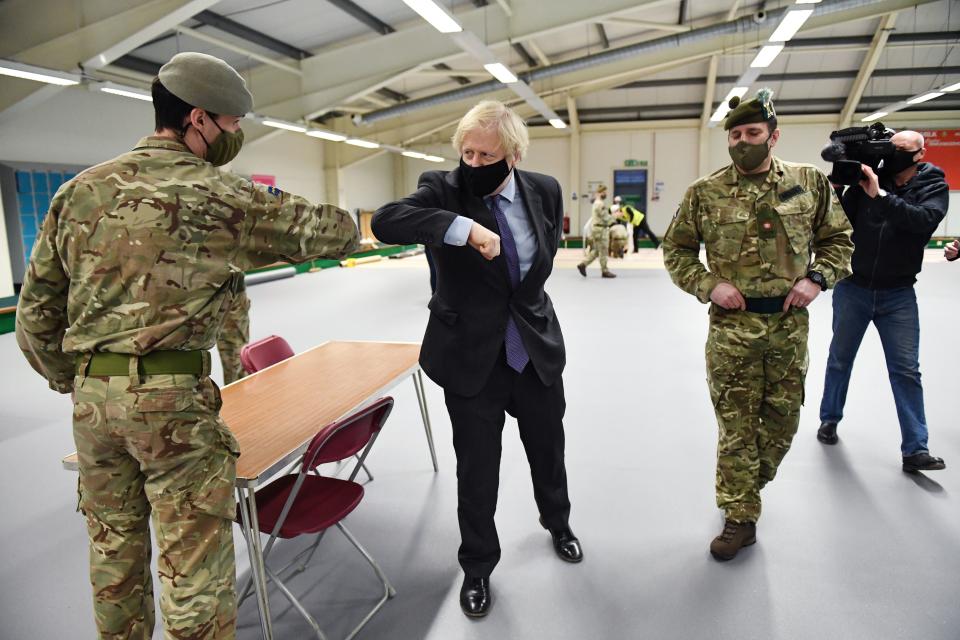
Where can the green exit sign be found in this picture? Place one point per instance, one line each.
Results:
(634, 163)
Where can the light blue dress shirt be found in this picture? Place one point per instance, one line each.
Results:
(516, 213)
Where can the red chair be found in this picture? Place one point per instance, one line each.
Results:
(306, 502)
(263, 353)
(267, 352)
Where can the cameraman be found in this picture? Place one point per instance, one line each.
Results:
(893, 217)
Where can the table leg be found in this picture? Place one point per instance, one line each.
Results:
(251, 528)
(422, 399)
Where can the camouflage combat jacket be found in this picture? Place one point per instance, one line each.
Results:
(143, 253)
(601, 217)
(760, 238)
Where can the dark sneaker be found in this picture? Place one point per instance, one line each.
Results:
(608, 274)
(922, 462)
(735, 536)
(827, 433)
(582, 268)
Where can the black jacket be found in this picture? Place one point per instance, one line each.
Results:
(468, 312)
(890, 233)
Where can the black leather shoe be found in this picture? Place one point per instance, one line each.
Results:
(582, 268)
(922, 462)
(475, 596)
(565, 544)
(827, 433)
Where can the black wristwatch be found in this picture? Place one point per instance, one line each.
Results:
(817, 278)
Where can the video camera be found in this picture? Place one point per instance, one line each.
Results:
(851, 147)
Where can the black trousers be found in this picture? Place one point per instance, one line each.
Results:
(640, 229)
(477, 429)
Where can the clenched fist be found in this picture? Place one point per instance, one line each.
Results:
(484, 241)
(952, 251)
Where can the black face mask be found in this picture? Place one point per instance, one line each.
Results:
(482, 181)
(900, 161)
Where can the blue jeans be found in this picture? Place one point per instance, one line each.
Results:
(894, 312)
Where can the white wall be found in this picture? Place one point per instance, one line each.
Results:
(368, 184)
(76, 127)
(667, 154)
(294, 159)
(413, 168)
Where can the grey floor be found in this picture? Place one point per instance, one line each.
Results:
(848, 547)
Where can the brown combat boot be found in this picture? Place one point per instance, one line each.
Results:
(608, 274)
(735, 536)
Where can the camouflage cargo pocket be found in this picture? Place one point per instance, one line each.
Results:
(723, 232)
(214, 495)
(156, 400)
(797, 218)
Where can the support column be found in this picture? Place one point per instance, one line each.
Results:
(574, 184)
(333, 175)
(399, 176)
(703, 148)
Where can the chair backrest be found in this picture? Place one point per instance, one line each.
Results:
(264, 352)
(344, 438)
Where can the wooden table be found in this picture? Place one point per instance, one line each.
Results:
(275, 412)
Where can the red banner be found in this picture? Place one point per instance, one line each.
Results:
(270, 181)
(943, 150)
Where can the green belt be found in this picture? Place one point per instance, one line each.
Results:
(155, 363)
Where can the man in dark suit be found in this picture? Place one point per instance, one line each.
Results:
(493, 341)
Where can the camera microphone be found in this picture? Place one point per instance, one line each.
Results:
(833, 151)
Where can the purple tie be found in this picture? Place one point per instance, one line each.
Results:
(517, 356)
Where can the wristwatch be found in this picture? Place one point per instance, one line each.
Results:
(817, 278)
(881, 193)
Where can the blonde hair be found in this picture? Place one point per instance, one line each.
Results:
(489, 114)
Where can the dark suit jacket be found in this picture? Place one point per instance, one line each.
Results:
(468, 312)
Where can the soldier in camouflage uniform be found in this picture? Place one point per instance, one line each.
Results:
(618, 241)
(775, 237)
(137, 263)
(601, 220)
(234, 334)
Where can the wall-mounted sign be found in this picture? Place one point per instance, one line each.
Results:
(657, 190)
(260, 178)
(943, 150)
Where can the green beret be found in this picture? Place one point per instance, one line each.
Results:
(206, 82)
(759, 109)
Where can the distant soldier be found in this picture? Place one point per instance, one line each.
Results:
(124, 296)
(638, 220)
(601, 220)
(618, 240)
(775, 237)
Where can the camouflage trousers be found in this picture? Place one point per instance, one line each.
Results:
(756, 367)
(599, 247)
(234, 334)
(618, 240)
(155, 448)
